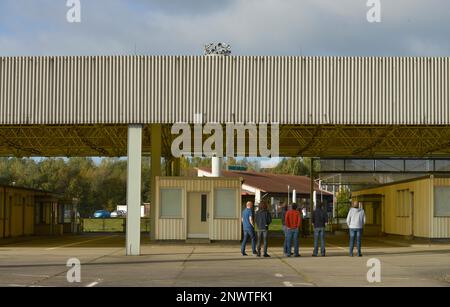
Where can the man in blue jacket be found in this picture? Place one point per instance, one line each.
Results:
(248, 227)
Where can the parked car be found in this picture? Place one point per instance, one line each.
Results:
(103, 214)
(118, 213)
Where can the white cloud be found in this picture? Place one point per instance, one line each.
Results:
(275, 27)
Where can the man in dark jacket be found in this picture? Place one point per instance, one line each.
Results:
(263, 220)
(319, 220)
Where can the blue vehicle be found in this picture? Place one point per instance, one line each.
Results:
(102, 214)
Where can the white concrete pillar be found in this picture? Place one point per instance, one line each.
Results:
(257, 198)
(216, 166)
(294, 196)
(133, 235)
(155, 169)
(315, 199)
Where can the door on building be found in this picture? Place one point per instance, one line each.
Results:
(197, 215)
(7, 226)
(372, 205)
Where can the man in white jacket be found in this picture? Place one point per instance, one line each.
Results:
(356, 219)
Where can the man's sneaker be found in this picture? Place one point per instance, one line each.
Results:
(266, 255)
(314, 255)
(258, 255)
(244, 254)
(360, 255)
(297, 255)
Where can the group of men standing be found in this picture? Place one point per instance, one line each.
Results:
(263, 219)
(291, 219)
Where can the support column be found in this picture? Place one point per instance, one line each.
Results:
(155, 169)
(133, 235)
(258, 198)
(216, 166)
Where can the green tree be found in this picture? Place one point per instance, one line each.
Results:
(343, 201)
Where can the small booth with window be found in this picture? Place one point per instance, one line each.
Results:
(198, 208)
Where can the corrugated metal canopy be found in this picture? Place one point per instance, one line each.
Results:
(168, 89)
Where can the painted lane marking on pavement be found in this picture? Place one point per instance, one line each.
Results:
(92, 284)
(292, 284)
(278, 275)
(303, 284)
(78, 243)
(295, 269)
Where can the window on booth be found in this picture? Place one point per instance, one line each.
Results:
(225, 203)
(171, 203)
(441, 201)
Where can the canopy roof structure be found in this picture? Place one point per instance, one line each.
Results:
(110, 140)
(325, 106)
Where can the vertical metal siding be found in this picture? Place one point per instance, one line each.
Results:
(20, 224)
(171, 229)
(167, 89)
(226, 229)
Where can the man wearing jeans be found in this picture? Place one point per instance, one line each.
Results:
(263, 220)
(293, 222)
(356, 219)
(319, 221)
(248, 228)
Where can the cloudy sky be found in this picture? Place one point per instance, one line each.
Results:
(252, 27)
